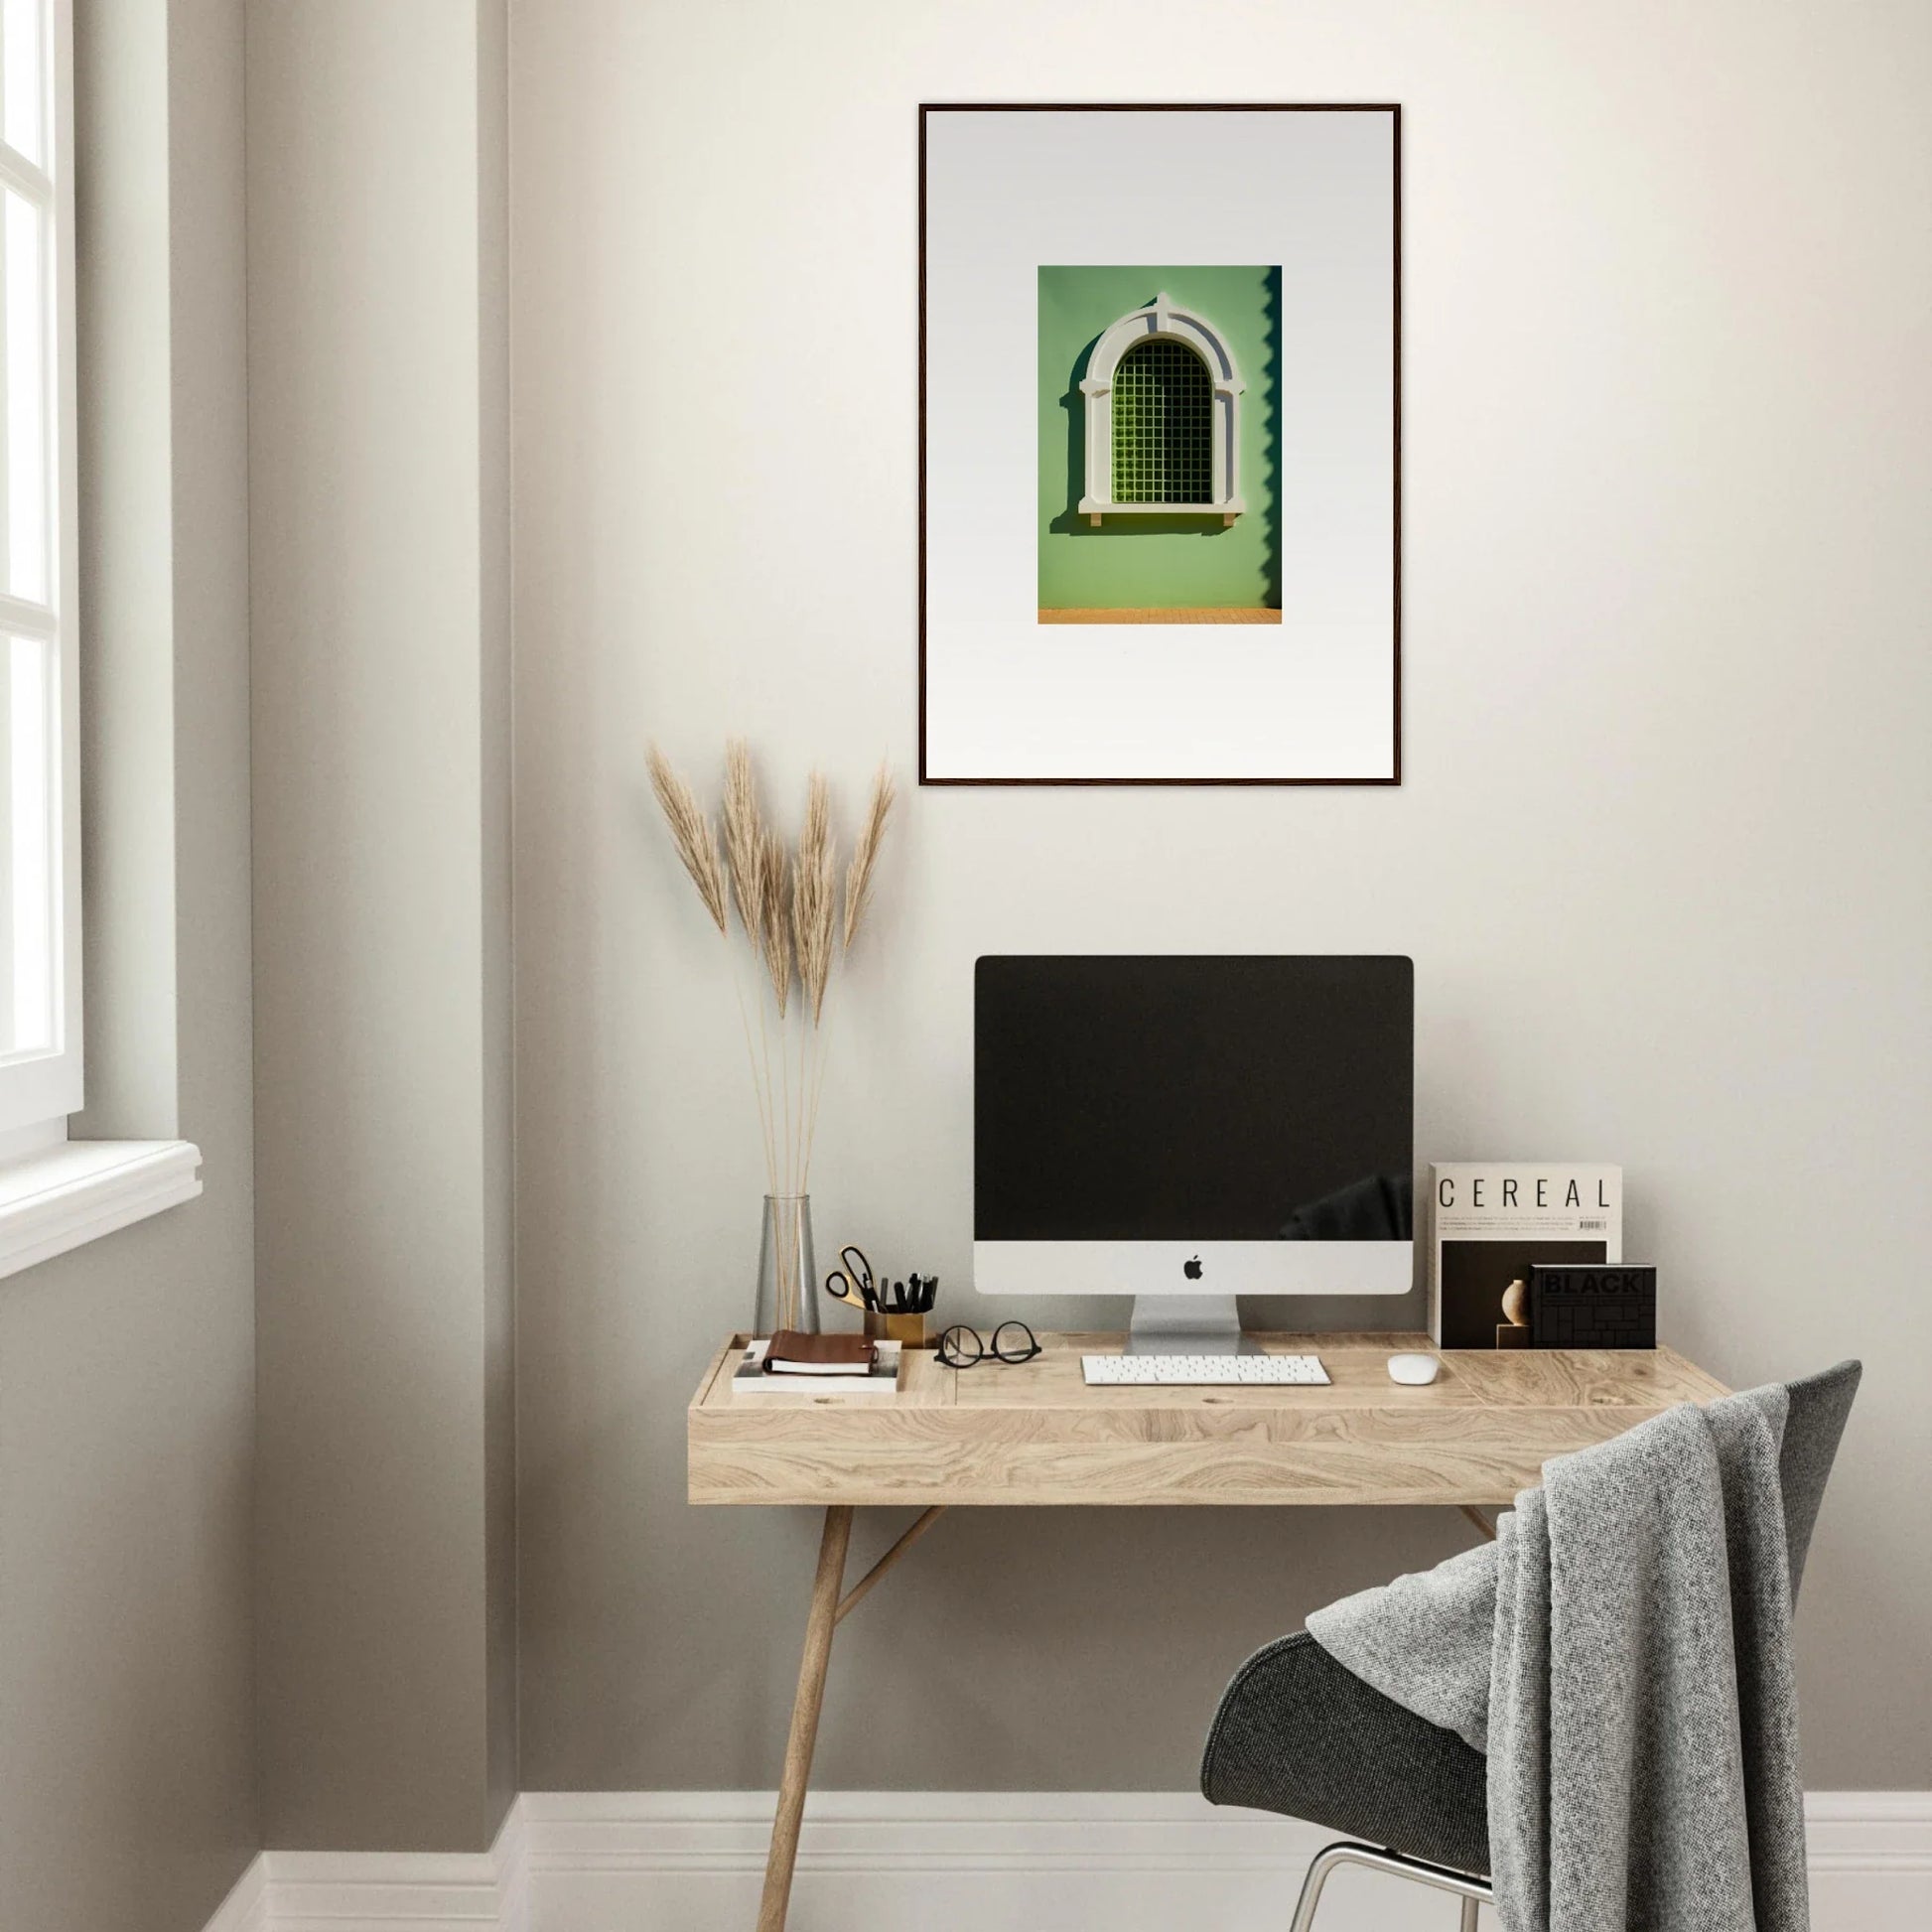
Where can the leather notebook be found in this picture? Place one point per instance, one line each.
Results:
(793, 1353)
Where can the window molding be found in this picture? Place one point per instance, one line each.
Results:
(1162, 320)
(42, 1083)
(78, 1190)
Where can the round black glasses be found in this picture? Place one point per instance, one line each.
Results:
(1013, 1341)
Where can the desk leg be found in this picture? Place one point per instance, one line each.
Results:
(824, 1613)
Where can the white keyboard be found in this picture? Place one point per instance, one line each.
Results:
(1203, 1371)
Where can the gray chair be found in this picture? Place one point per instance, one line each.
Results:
(1298, 1733)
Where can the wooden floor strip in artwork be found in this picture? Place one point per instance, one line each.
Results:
(1179, 614)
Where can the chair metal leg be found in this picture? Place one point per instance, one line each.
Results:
(1473, 1891)
(1324, 1862)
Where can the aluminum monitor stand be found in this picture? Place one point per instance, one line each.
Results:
(1188, 1324)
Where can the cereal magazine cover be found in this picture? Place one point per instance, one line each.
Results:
(1491, 1219)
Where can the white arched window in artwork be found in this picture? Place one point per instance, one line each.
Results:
(1164, 418)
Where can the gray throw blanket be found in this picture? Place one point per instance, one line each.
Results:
(1623, 1652)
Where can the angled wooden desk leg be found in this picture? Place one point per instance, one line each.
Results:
(819, 1621)
(1478, 1519)
(828, 1608)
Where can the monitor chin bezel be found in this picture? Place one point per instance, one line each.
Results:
(1150, 1267)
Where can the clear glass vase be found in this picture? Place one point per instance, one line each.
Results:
(787, 1269)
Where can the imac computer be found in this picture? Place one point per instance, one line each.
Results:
(1189, 1129)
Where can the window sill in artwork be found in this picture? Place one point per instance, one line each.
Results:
(1093, 511)
(78, 1190)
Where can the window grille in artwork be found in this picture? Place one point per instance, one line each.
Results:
(1163, 426)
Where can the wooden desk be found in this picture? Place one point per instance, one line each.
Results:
(1034, 1433)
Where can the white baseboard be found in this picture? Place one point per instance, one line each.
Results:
(386, 1891)
(245, 1909)
(954, 1862)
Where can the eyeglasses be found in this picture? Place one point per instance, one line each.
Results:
(1013, 1341)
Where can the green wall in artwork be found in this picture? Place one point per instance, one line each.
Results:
(1145, 562)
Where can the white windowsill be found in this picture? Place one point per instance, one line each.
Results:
(78, 1190)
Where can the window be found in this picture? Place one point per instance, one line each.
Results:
(40, 952)
(54, 1193)
(1163, 418)
(1162, 428)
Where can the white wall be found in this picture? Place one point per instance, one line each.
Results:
(1660, 855)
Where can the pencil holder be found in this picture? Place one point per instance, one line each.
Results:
(908, 1329)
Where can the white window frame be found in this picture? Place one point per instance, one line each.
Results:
(39, 1090)
(57, 1193)
(1162, 320)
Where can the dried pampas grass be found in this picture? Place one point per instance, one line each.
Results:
(691, 833)
(743, 835)
(865, 854)
(788, 903)
(814, 897)
(774, 918)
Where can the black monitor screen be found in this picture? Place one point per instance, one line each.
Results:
(1192, 1099)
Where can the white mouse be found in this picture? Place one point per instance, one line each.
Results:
(1413, 1369)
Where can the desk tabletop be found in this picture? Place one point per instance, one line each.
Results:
(1034, 1434)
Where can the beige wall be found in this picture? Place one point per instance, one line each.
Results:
(1660, 856)
(126, 1368)
(379, 572)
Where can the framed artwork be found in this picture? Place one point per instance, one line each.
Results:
(1160, 445)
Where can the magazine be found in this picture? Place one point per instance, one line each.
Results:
(1491, 1219)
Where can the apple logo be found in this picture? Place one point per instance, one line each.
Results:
(1191, 1269)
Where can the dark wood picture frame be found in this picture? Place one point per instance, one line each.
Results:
(1391, 108)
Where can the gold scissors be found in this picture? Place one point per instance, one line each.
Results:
(852, 1281)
